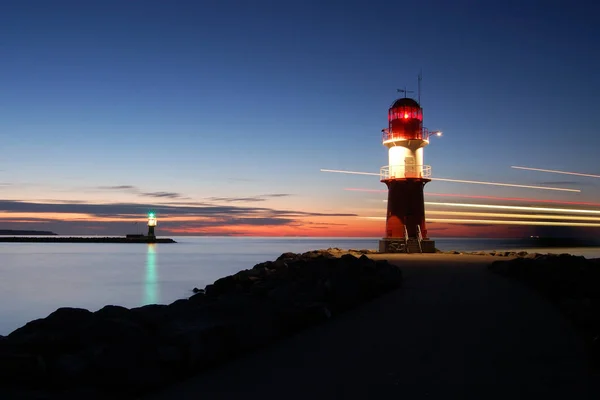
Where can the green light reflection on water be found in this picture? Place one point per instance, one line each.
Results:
(151, 278)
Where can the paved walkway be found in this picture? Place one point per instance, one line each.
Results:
(454, 331)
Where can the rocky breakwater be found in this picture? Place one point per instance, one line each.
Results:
(572, 283)
(134, 351)
(493, 253)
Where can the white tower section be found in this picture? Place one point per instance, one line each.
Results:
(406, 158)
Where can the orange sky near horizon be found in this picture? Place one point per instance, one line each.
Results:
(336, 211)
(313, 226)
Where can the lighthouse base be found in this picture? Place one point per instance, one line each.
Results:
(399, 245)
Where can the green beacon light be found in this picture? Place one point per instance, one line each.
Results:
(151, 224)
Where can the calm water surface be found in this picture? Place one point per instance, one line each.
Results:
(38, 278)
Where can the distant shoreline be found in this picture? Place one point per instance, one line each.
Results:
(28, 239)
(8, 232)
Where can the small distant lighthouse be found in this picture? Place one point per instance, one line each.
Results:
(151, 224)
(406, 176)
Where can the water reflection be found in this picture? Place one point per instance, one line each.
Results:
(151, 279)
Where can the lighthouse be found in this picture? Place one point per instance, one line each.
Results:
(151, 224)
(405, 177)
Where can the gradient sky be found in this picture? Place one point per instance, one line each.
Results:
(220, 114)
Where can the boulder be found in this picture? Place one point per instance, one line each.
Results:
(110, 311)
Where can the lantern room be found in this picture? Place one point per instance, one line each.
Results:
(151, 224)
(151, 219)
(405, 118)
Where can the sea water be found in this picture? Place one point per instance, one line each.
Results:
(38, 278)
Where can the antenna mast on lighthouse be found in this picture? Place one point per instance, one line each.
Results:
(420, 79)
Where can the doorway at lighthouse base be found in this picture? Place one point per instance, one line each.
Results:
(400, 245)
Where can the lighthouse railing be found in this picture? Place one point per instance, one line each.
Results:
(419, 238)
(404, 171)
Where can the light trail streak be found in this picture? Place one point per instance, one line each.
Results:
(579, 203)
(464, 181)
(511, 215)
(555, 171)
(521, 208)
(506, 184)
(499, 222)
(466, 196)
(349, 172)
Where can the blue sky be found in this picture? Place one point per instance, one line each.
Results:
(238, 98)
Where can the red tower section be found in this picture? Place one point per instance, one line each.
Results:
(405, 176)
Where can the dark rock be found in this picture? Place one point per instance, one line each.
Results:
(28, 370)
(126, 368)
(56, 321)
(60, 332)
(112, 312)
(179, 304)
(170, 356)
(198, 298)
(68, 369)
(150, 316)
(113, 331)
(287, 256)
(223, 285)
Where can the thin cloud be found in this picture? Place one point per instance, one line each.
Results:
(323, 223)
(235, 199)
(169, 195)
(51, 201)
(136, 190)
(229, 221)
(120, 209)
(119, 187)
(250, 199)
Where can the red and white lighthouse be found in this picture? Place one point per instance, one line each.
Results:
(405, 176)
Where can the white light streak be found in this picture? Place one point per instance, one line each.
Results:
(511, 215)
(349, 172)
(521, 208)
(463, 181)
(499, 222)
(506, 184)
(555, 171)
